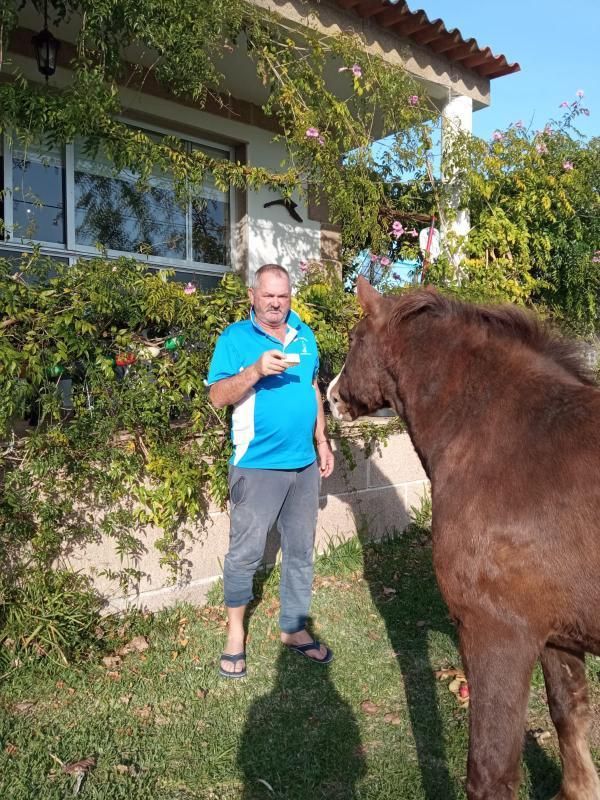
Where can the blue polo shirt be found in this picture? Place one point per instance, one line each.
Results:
(272, 427)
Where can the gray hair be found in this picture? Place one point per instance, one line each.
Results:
(269, 268)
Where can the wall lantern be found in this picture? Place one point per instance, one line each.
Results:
(46, 48)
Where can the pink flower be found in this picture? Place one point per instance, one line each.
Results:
(189, 288)
(541, 148)
(357, 70)
(321, 140)
(397, 229)
(548, 130)
(568, 165)
(497, 136)
(312, 133)
(385, 262)
(596, 260)
(413, 233)
(585, 111)
(519, 124)
(303, 266)
(564, 104)
(413, 100)
(579, 92)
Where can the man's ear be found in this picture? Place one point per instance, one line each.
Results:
(368, 297)
(251, 295)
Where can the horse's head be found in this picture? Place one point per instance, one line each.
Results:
(360, 387)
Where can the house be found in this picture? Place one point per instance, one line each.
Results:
(69, 202)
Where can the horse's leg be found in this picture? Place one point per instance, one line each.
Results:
(499, 665)
(566, 687)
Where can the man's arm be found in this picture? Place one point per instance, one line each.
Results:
(326, 459)
(229, 391)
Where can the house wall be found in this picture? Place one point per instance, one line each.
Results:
(372, 500)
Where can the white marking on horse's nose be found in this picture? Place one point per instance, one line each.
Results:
(332, 401)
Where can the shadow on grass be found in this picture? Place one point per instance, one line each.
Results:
(301, 740)
(544, 773)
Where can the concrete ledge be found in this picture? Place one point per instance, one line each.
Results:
(372, 500)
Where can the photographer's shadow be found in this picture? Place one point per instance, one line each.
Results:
(300, 740)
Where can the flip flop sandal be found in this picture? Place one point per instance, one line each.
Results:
(314, 645)
(233, 660)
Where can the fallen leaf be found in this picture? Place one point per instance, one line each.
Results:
(374, 636)
(454, 685)
(137, 645)
(387, 591)
(84, 765)
(540, 735)
(60, 684)
(201, 693)
(24, 706)
(444, 674)
(11, 749)
(393, 719)
(127, 769)
(114, 676)
(125, 699)
(143, 713)
(369, 707)
(111, 662)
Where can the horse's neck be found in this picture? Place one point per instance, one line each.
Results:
(444, 387)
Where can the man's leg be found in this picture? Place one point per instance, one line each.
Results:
(256, 497)
(297, 524)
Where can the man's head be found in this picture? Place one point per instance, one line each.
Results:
(270, 294)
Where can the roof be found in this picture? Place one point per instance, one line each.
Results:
(433, 34)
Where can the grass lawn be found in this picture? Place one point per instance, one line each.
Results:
(162, 725)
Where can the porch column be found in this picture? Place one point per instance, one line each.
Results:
(457, 115)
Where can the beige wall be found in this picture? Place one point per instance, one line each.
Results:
(374, 499)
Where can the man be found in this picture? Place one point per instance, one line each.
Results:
(266, 367)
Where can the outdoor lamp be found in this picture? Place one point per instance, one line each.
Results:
(46, 47)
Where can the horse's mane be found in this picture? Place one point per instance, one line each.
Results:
(502, 320)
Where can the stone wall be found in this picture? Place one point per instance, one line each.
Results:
(372, 500)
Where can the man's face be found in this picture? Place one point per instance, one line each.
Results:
(271, 299)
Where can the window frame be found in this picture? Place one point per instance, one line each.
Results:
(73, 251)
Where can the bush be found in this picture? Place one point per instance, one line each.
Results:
(105, 423)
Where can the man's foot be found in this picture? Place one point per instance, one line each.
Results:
(303, 639)
(233, 647)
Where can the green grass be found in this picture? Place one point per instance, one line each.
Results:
(163, 726)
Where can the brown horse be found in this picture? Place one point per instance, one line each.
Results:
(506, 421)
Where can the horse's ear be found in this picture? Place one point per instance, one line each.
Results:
(368, 297)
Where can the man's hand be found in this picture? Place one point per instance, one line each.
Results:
(326, 459)
(271, 363)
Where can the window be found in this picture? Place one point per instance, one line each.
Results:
(72, 200)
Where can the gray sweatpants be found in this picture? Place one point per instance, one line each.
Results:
(260, 498)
